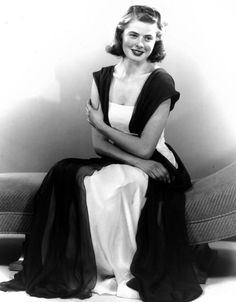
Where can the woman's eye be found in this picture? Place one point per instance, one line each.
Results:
(133, 35)
(148, 38)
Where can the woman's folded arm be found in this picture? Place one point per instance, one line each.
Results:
(105, 148)
(142, 146)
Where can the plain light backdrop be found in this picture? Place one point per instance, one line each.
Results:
(49, 50)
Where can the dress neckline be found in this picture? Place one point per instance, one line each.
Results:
(103, 80)
(146, 82)
(135, 76)
(121, 105)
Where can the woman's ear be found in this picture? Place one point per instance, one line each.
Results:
(158, 36)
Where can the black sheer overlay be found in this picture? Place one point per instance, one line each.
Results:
(163, 263)
(58, 255)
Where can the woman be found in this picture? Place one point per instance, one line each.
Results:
(115, 224)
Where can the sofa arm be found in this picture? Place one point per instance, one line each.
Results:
(17, 191)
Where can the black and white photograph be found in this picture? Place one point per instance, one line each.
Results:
(117, 150)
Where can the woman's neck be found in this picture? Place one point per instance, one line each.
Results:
(130, 68)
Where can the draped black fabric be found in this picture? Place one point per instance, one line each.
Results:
(58, 254)
(59, 258)
(162, 265)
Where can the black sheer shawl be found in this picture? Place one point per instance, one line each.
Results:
(58, 254)
(59, 259)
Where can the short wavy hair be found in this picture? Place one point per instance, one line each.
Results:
(145, 14)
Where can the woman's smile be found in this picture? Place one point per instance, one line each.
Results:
(137, 52)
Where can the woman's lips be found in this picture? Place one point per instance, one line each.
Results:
(137, 52)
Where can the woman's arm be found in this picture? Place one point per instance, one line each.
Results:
(142, 146)
(151, 168)
(103, 147)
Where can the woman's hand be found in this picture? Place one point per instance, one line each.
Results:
(154, 169)
(94, 115)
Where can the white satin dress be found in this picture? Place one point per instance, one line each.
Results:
(115, 197)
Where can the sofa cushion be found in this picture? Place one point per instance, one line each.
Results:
(211, 207)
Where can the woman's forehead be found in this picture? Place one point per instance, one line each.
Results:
(142, 27)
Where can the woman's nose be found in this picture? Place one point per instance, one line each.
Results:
(139, 42)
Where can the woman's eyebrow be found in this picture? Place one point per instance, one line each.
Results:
(133, 32)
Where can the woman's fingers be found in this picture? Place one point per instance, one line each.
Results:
(88, 107)
(155, 170)
(164, 173)
(166, 176)
(161, 173)
(156, 174)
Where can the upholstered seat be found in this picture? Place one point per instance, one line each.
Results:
(210, 204)
(16, 201)
(211, 207)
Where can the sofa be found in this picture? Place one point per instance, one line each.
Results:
(210, 205)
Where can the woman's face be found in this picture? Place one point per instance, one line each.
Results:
(138, 40)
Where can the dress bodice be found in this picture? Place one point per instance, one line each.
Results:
(119, 118)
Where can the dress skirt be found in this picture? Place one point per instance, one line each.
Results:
(115, 196)
(107, 228)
